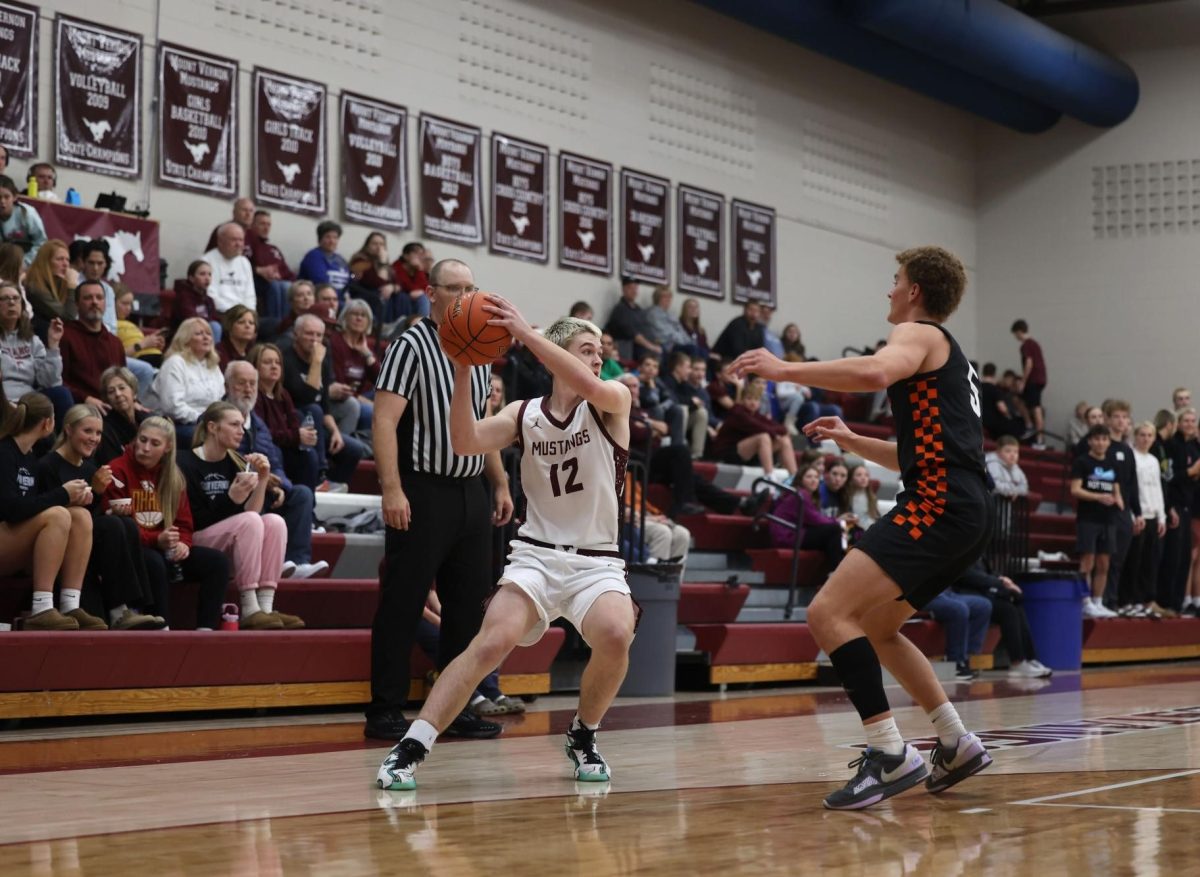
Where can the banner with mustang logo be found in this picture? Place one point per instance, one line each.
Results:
(701, 220)
(584, 213)
(645, 217)
(197, 121)
(289, 142)
(375, 162)
(18, 78)
(97, 98)
(520, 192)
(451, 191)
(753, 253)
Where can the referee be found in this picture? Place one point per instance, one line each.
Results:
(436, 509)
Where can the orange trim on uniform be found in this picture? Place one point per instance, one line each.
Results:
(931, 488)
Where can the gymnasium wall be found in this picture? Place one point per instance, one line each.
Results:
(1092, 236)
(856, 168)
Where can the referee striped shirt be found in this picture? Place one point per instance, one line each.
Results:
(416, 368)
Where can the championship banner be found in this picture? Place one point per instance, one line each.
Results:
(18, 78)
(132, 241)
(701, 221)
(753, 253)
(197, 121)
(451, 197)
(644, 234)
(289, 142)
(97, 98)
(374, 162)
(520, 192)
(584, 214)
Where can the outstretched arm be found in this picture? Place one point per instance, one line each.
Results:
(470, 436)
(906, 350)
(876, 450)
(611, 397)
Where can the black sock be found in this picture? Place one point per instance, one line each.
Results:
(858, 667)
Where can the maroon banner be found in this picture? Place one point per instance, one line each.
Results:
(701, 221)
(645, 215)
(289, 142)
(97, 98)
(197, 121)
(753, 252)
(18, 77)
(375, 162)
(451, 197)
(132, 242)
(584, 213)
(520, 192)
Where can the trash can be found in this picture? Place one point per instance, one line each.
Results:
(655, 587)
(1054, 604)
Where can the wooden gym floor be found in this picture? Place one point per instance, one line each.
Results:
(1094, 774)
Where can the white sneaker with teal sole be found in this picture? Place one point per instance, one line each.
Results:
(590, 766)
(396, 772)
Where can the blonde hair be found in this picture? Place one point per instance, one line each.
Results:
(75, 414)
(170, 480)
(181, 343)
(564, 330)
(847, 493)
(41, 274)
(1145, 424)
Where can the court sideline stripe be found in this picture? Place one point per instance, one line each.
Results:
(1144, 780)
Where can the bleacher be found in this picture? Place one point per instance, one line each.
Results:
(731, 620)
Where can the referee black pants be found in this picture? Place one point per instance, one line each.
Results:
(448, 541)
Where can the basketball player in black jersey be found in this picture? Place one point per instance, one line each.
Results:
(937, 529)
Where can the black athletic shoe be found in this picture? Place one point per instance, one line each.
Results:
(964, 673)
(590, 766)
(389, 725)
(472, 727)
(879, 776)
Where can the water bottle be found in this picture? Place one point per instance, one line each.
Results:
(308, 422)
(31, 186)
(229, 616)
(73, 198)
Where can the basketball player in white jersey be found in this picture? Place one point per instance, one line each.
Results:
(565, 560)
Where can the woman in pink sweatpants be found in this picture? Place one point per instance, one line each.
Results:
(230, 496)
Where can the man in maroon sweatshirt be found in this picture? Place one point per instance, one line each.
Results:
(88, 348)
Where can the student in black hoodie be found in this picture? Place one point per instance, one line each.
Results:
(116, 561)
(49, 534)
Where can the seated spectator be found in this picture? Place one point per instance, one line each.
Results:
(117, 577)
(665, 540)
(811, 530)
(138, 344)
(741, 334)
(47, 285)
(691, 405)
(48, 534)
(272, 275)
(658, 402)
(725, 389)
(47, 181)
(96, 266)
(746, 435)
(1014, 389)
(627, 324)
(355, 365)
(25, 362)
(190, 379)
(146, 474)
(238, 335)
(662, 327)
(581, 310)
(322, 264)
(833, 483)
(88, 348)
(1077, 426)
(233, 278)
(119, 388)
(689, 321)
(275, 408)
(371, 281)
(800, 406)
(858, 498)
(19, 223)
(1094, 486)
(326, 305)
(292, 502)
(1003, 466)
(243, 216)
(308, 378)
(302, 295)
(611, 367)
(192, 299)
(771, 341)
(412, 276)
(12, 273)
(698, 384)
(964, 618)
(1004, 595)
(793, 346)
(496, 398)
(228, 496)
(1139, 579)
(998, 406)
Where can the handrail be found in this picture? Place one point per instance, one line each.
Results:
(776, 487)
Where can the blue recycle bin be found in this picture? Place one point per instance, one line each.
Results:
(1054, 604)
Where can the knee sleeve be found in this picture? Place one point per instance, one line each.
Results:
(858, 667)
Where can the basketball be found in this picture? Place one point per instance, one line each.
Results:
(466, 335)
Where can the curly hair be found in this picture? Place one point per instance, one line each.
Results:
(940, 275)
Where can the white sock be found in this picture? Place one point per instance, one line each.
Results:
(250, 603)
(1098, 601)
(266, 599)
(885, 736)
(42, 600)
(423, 732)
(68, 600)
(947, 724)
(577, 723)
(114, 614)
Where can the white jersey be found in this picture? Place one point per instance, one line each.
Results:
(572, 475)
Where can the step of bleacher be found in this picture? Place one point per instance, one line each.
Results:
(707, 603)
(728, 560)
(713, 532)
(1052, 524)
(349, 555)
(776, 566)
